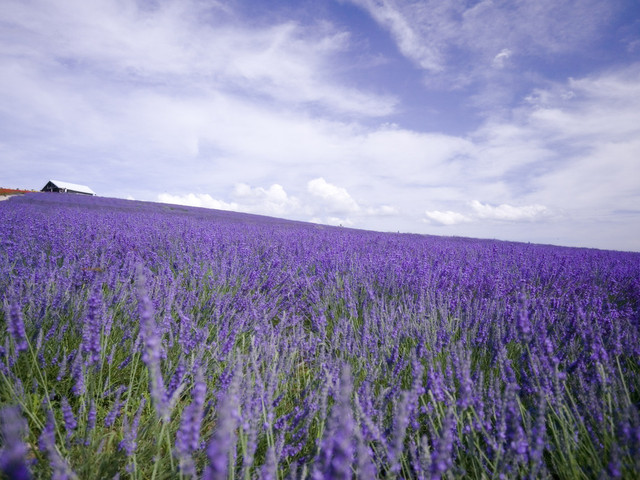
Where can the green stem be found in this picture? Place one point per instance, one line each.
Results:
(159, 451)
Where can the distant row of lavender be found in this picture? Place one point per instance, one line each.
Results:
(151, 341)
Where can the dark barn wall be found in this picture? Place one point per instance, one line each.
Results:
(51, 187)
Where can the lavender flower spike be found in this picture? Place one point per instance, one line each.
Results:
(337, 453)
(59, 466)
(13, 462)
(188, 435)
(152, 353)
(70, 422)
(129, 443)
(92, 329)
(77, 372)
(441, 458)
(223, 440)
(16, 329)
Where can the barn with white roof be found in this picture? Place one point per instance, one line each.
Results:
(66, 187)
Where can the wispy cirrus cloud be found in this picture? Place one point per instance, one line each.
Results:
(486, 53)
(407, 30)
(428, 32)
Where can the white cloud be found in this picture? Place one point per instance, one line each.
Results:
(187, 45)
(382, 210)
(446, 218)
(336, 221)
(501, 58)
(589, 110)
(199, 200)
(595, 133)
(481, 211)
(289, 64)
(272, 201)
(322, 202)
(405, 153)
(333, 221)
(509, 212)
(335, 198)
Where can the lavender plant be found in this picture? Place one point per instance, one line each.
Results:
(151, 341)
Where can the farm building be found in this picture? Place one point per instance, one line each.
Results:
(66, 187)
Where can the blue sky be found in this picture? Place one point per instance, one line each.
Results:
(516, 120)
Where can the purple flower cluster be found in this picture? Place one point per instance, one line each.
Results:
(15, 326)
(13, 451)
(188, 435)
(130, 428)
(92, 330)
(152, 349)
(222, 442)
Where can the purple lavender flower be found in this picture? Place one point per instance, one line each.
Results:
(129, 443)
(188, 435)
(62, 368)
(224, 437)
(91, 420)
(461, 363)
(112, 353)
(337, 448)
(92, 329)
(442, 456)
(269, 468)
(537, 442)
(177, 378)
(70, 422)
(16, 329)
(48, 434)
(614, 467)
(61, 470)
(421, 458)
(400, 424)
(365, 463)
(515, 436)
(523, 323)
(114, 413)
(152, 353)
(13, 451)
(4, 368)
(125, 362)
(188, 334)
(77, 373)
(435, 384)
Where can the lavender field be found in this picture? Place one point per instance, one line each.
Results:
(150, 341)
